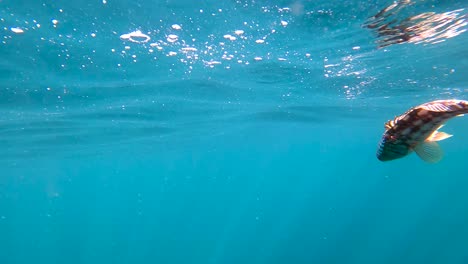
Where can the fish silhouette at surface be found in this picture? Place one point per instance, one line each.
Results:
(391, 26)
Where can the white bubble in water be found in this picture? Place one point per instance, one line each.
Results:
(135, 36)
(156, 45)
(93, 35)
(54, 21)
(239, 32)
(189, 49)
(284, 23)
(212, 62)
(230, 37)
(356, 48)
(172, 53)
(104, 1)
(172, 38)
(176, 27)
(17, 30)
(258, 58)
(260, 41)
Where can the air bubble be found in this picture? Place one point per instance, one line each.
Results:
(176, 27)
(136, 37)
(227, 36)
(17, 30)
(172, 38)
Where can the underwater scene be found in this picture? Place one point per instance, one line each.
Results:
(233, 131)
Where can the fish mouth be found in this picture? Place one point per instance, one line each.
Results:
(386, 157)
(389, 150)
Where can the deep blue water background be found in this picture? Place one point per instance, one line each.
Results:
(121, 152)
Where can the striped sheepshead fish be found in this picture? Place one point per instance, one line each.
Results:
(418, 130)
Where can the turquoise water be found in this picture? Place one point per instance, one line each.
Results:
(226, 132)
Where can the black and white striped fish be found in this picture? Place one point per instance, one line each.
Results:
(417, 130)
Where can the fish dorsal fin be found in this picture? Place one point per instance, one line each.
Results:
(389, 124)
(429, 151)
(437, 107)
(438, 136)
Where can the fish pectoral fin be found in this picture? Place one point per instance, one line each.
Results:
(438, 136)
(429, 151)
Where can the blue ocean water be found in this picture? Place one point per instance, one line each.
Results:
(227, 131)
